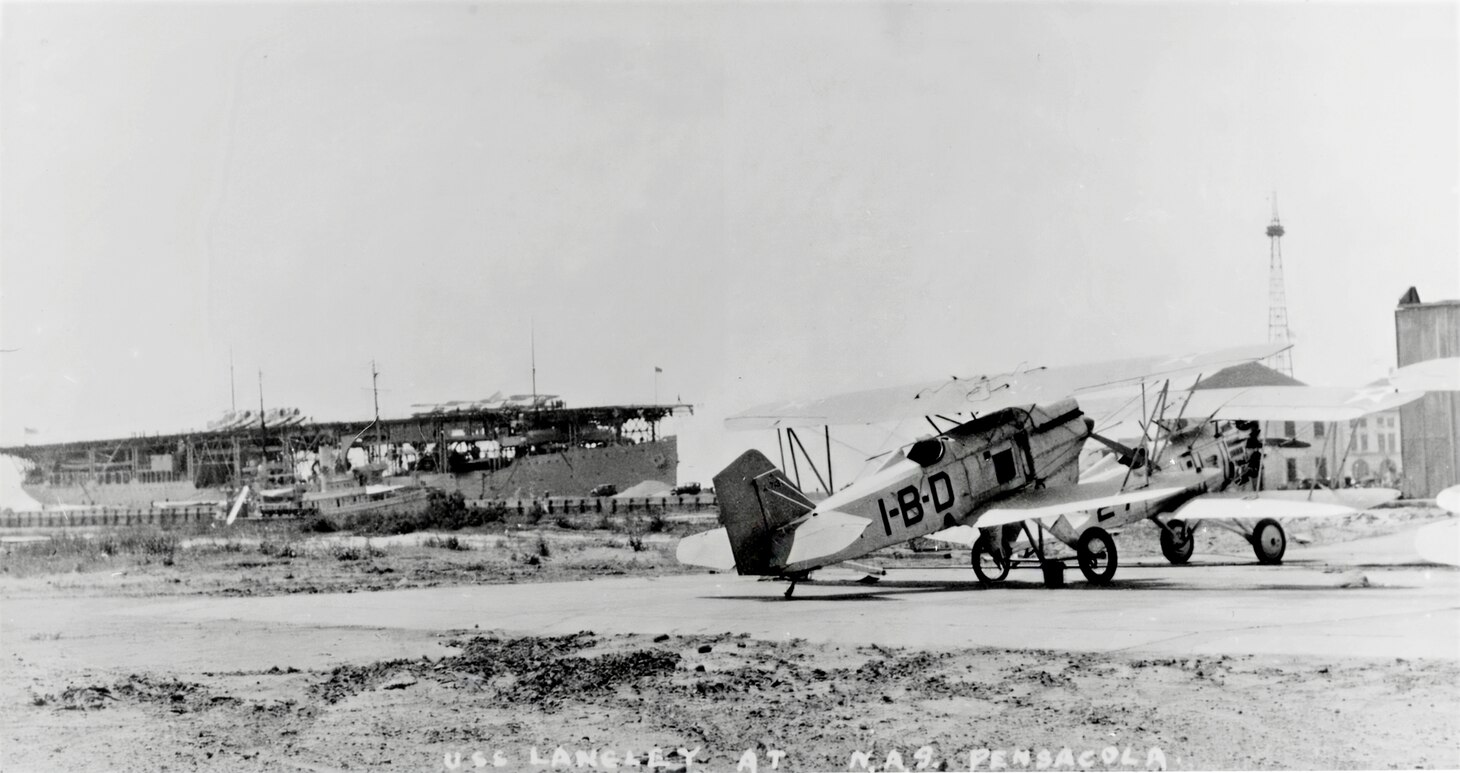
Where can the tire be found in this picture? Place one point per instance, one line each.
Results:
(1176, 549)
(990, 571)
(1269, 541)
(1097, 556)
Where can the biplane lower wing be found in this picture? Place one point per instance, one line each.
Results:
(1051, 502)
(1247, 504)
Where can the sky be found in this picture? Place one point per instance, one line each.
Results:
(764, 200)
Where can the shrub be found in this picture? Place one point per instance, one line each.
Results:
(542, 547)
(449, 543)
(657, 523)
(278, 550)
(319, 525)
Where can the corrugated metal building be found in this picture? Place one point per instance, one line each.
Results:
(1429, 427)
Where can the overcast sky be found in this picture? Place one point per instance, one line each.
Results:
(763, 200)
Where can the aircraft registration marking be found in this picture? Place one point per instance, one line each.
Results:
(910, 501)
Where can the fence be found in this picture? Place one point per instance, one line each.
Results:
(109, 516)
(610, 505)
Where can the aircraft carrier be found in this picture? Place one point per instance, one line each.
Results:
(516, 447)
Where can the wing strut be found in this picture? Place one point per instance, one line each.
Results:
(795, 442)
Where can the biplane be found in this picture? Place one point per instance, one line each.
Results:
(1001, 470)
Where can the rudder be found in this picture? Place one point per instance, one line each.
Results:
(756, 501)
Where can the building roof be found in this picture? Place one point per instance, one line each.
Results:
(1248, 374)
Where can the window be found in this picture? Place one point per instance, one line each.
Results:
(1292, 470)
(1361, 423)
(1004, 466)
(1290, 429)
(1363, 443)
(1317, 429)
(1321, 464)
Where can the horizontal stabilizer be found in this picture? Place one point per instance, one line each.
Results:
(710, 549)
(1449, 499)
(1048, 502)
(825, 533)
(958, 535)
(1256, 505)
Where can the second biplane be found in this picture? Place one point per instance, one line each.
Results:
(1002, 475)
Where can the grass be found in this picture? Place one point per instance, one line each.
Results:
(70, 551)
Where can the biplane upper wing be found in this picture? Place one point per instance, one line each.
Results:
(983, 394)
(1307, 403)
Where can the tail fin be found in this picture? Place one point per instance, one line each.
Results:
(756, 501)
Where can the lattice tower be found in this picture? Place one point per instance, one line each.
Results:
(1277, 302)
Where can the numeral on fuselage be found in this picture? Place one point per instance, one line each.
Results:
(910, 501)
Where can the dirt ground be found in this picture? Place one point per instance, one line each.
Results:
(250, 696)
(519, 700)
(280, 561)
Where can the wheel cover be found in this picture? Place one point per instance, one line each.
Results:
(1099, 553)
(1271, 540)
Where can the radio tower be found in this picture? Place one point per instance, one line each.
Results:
(1277, 302)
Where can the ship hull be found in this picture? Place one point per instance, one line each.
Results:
(571, 473)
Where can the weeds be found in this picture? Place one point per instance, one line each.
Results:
(68, 551)
(449, 543)
(443, 512)
(278, 550)
(356, 552)
(542, 547)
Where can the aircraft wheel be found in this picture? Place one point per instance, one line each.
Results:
(1269, 541)
(991, 569)
(1096, 553)
(1177, 541)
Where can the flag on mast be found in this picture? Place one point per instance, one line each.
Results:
(658, 369)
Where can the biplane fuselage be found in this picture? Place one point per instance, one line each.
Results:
(1013, 475)
(947, 480)
(953, 478)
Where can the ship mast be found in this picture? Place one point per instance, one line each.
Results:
(375, 392)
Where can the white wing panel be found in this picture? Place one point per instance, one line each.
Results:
(984, 394)
(1049, 502)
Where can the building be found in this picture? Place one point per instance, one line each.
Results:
(1298, 454)
(1430, 426)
